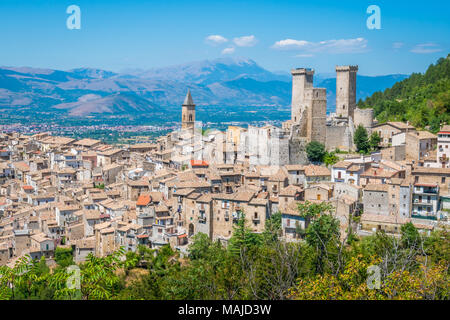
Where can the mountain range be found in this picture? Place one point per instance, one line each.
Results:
(226, 82)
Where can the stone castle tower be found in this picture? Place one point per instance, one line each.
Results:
(188, 112)
(346, 91)
(315, 101)
(301, 79)
(309, 107)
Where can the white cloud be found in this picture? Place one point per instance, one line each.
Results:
(228, 50)
(424, 48)
(304, 55)
(216, 39)
(397, 45)
(290, 44)
(245, 41)
(357, 45)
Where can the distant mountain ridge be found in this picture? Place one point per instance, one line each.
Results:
(225, 81)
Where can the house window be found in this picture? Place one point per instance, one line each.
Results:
(318, 197)
(443, 180)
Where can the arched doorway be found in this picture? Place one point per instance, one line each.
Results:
(191, 230)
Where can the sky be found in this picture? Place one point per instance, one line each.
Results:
(278, 35)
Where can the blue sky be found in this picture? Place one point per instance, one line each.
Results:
(279, 35)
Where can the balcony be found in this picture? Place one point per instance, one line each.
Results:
(417, 215)
(423, 202)
(426, 190)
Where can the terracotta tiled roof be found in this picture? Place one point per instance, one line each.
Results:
(143, 200)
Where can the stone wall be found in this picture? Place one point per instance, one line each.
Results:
(337, 137)
(297, 151)
(365, 118)
(376, 202)
(395, 153)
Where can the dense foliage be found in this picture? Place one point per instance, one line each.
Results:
(317, 153)
(421, 99)
(321, 265)
(364, 143)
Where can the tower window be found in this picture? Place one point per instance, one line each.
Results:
(190, 117)
(343, 107)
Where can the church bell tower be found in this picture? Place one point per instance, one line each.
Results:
(188, 112)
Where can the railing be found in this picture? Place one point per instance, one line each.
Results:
(418, 216)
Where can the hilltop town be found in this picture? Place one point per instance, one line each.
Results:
(95, 198)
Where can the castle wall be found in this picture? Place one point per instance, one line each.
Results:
(279, 149)
(365, 118)
(297, 151)
(338, 137)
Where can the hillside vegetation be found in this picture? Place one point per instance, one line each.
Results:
(319, 265)
(421, 99)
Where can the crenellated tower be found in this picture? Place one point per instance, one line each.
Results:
(302, 79)
(346, 91)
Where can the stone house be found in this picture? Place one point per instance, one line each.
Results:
(41, 246)
(319, 192)
(443, 149)
(83, 248)
(419, 144)
(296, 174)
(387, 130)
(317, 174)
(376, 199)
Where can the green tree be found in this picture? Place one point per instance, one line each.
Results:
(330, 158)
(243, 238)
(315, 151)
(323, 235)
(361, 139)
(374, 140)
(309, 210)
(272, 229)
(64, 256)
(410, 236)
